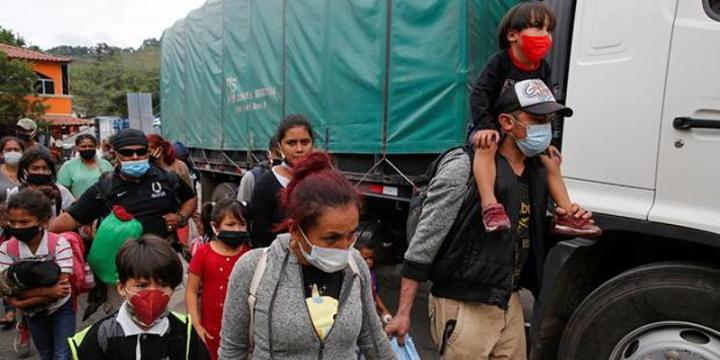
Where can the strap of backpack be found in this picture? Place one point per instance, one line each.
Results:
(13, 249)
(254, 284)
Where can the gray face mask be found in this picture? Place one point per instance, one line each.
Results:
(326, 259)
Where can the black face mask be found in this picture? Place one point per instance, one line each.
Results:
(276, 162)
(24, 235)
(24, 137)
(87, 154)
(234, 239)
(38, 179)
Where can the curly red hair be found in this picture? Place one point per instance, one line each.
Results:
(168, 152)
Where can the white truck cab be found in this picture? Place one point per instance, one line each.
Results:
(642, 151)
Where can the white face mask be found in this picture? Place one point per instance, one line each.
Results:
(12, 158)
(326, 259)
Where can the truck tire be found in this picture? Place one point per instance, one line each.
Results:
(656, 311)
(224, 190)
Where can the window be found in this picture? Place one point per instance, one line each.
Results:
(712, 8)
(44, 85)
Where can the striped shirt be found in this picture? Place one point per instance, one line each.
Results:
(63, 257)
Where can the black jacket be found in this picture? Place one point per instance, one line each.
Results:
(473, 265)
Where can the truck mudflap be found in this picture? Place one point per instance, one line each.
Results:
(566, 282)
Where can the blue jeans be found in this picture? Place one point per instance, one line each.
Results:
(50, 332)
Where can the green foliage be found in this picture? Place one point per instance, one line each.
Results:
(102, 75)
(11, 38)
(16, 83)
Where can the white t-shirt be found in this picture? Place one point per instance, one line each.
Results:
(62, 257)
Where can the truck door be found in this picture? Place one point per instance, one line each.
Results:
(688, 175)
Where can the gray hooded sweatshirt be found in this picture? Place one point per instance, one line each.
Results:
(283, 329)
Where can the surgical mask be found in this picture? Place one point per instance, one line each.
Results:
(87, 154)
(146, 307)
(538, 139)
(535, 47)
(233, 239)
(326, 259)
(12, 158)
(135, 168)
(24, 234)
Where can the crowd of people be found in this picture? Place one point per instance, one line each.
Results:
(279, 272)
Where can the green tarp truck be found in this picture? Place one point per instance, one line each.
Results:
(384, 83)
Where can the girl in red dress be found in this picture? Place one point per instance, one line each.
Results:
(211, 265)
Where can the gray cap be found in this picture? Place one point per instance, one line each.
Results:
(27, 124)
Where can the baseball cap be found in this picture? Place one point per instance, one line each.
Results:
(27, 124)
(531, 96)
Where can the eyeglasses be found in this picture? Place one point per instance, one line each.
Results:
(130, 152)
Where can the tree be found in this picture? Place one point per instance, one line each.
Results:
(11, 38)
(16, 83)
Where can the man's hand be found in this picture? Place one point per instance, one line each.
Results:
(399, 326)
(577, 212)
(485, 139)
(59, 290)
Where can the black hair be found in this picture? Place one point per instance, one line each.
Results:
(32, 156)
(7, 139)
(31, 201)
(290, 122)
(149, 257)
(216, 212)
(523, 16)
(82, 137)
(273, 144)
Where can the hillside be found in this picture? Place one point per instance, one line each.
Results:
(102, 75)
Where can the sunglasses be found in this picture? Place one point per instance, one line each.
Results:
(130, 152)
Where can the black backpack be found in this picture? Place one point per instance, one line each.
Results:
(418, 200)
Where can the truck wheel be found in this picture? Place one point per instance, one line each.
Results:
(224, 190)
(656, 311)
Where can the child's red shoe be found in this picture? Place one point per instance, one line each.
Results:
(494, 218)
(567, 225)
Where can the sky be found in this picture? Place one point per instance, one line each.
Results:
(122, 23)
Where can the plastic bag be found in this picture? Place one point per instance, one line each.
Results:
(112, 233)
(404, 352)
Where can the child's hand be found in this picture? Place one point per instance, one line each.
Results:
(555, 154)
(485, 139)
(59, 290)
(202, 333)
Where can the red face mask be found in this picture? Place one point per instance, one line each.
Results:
(147, 306)
(535, 47)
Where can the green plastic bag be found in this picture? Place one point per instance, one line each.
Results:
(112, 233)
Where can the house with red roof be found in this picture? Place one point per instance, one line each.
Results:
(52, 86)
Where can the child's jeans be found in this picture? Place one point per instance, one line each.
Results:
(50, 332)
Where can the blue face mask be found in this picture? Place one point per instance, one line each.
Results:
(537, 140)
(135, 168)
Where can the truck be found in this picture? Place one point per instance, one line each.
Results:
(386, 85)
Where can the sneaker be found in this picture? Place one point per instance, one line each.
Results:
(567, 225)
(494, 218)
(21, 344)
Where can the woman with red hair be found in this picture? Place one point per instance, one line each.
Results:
(162, 154)
(313, 298)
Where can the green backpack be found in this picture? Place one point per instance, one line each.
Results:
(112, 233)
